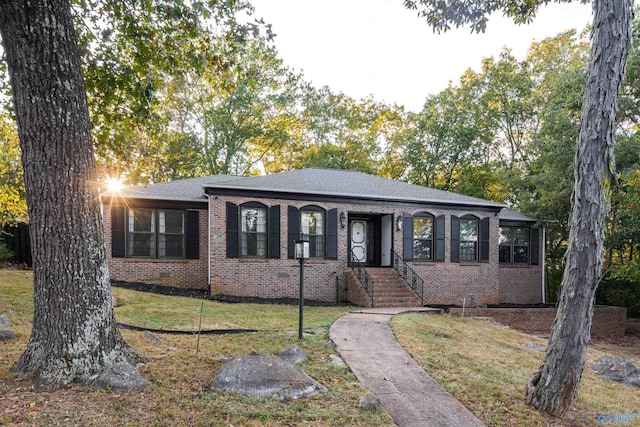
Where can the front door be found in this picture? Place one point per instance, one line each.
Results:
(359, 241)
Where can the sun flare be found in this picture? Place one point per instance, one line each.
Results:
(114, 185)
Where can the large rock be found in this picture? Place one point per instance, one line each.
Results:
(6, 333)
(619, 369)
(4, 320)
(122, 377)
(266, 376)
(293, 354)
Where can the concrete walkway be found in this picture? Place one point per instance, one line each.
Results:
(365, 341)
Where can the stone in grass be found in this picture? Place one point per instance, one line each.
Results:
(370, 402)
(336, 360)
(536, 347)
(618, 368)
(266, 376)
(121, 377)
(293, 354)
(6, 333)
(150, 336)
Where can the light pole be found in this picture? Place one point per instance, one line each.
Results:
(302, 253)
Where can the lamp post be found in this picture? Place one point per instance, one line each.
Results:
(302, 253)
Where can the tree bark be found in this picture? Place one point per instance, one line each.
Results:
(554, 387)
(74, 332)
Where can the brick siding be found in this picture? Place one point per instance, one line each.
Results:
(183, 273)
(520, 284)
(445, 282)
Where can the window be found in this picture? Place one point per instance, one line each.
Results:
(423, 237)
(514, 245)
(170, 234)
(468, 239)
(154, 233)
(312, 226)
(254, 232)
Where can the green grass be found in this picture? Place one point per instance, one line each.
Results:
(159, 312)
(483, 366)
(487, 368)
(180, 392)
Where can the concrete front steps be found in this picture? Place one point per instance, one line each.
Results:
(390, 290)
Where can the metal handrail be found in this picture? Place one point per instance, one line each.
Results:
(408, 275)
(363, 276)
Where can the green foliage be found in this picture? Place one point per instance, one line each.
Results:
(5, 253)
(440, 15)
(622, 288)
(13, 206)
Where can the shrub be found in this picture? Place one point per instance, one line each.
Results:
(622, 288)
(5, 253)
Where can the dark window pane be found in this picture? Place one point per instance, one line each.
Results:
(468, 230)
(468, 251)
(141, 245)
(171, 222)
(312, 226)
(141, 220)
(422, 249)
(141, 233)
(521, 236)
(505, 254)
(171, 245)
(254, 232)
(520, 255)
(505, 236)
(423, 228)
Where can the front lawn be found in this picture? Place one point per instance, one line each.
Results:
(487, 368)
(180, 392)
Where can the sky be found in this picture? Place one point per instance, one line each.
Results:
(379, 48)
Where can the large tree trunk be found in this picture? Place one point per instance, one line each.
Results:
(554, 387)
(74, 331)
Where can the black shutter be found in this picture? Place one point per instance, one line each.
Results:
(535, 246)
(192, 237)
(407, 237)
(293, 229)
(455, 239)
(232, 230)
(332, 234)
(439, 226)
(484, 239)
(118, 243)
(274, 231)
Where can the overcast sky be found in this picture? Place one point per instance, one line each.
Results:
(379, 48)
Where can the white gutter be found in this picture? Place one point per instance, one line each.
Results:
(208, 243)
(544, 269)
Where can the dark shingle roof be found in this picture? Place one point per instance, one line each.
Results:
(351, 184)
(511, 215)
(191, 189)
(312, 181)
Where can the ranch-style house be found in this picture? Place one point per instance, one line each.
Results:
(372, 241)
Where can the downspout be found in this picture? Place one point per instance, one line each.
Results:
(208, 243)
(544, 267)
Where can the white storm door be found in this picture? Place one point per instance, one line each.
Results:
(359, 241)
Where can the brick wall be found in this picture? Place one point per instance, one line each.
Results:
(183, 273)
(355, 293)
(520, 284)
(445, 282)
(608, 322)
(449, 283)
